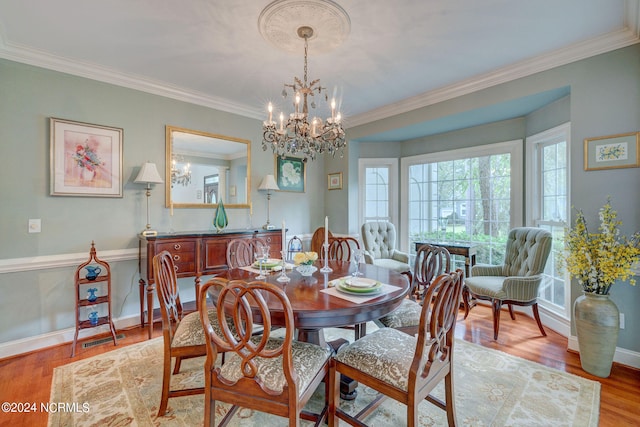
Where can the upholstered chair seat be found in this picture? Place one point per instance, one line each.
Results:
(516, 281)
(379, 240)
(408, 314)
(307, 360)
(189, 331)
(385, 354)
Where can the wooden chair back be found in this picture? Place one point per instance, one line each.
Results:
(240, 252)
(179, 343)
(243, 302)
(341, 248)
(317, 240)
(166, 277)
(431, 261)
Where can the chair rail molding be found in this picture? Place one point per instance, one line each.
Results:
(43, 262)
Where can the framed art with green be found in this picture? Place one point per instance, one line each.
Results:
(291, 174)
(612, 152)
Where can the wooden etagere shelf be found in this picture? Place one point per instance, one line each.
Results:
(95, 271)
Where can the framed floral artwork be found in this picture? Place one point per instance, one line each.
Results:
(291, 174)
(334, 181)
(611, 152)
(85, 159)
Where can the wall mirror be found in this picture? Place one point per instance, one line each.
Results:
(203, 168)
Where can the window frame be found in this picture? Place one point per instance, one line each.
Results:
(392, 164)
(534, 143)
(513, 147)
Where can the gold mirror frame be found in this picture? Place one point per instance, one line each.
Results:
(202, 150)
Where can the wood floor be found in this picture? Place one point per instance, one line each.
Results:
(27, 378)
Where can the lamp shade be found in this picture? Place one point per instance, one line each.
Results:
(148, 174)
(268, 183)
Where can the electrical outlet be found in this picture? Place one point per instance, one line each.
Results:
(35, 226)
(621, 320)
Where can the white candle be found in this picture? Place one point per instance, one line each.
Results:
(270, 108)
(284, 240)
(326, 230)
(281, 121)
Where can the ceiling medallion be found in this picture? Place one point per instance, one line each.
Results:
(298, 135)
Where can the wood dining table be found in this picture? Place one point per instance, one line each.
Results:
(316, 306)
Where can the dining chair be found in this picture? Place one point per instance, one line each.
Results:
(183, 335)
(273, 375)
(431, 261)
(342, 248)
(379, 239)
(401, 366)
(240, 252)
(317, 240)
(516, 280)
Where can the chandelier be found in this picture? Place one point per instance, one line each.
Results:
(182, 175)
(298, 135)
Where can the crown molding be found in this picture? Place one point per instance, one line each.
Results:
(596, 46)
(615, 40)
(38, 58)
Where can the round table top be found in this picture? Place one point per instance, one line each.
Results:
(314, 309)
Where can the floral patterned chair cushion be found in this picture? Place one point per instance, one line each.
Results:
(189, 331)
(385, 354)
(307, 361)
(408, 314)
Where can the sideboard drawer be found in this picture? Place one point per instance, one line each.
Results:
(183, 254)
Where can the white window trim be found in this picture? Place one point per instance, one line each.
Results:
(514, 148)
(392, 164)
(533, 183)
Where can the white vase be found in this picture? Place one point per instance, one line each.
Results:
(306, 270)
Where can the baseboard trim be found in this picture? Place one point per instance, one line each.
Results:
(63, 336)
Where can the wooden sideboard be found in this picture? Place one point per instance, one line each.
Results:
(195, 254)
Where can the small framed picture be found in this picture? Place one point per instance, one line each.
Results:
(612, 152)
(335, 181)
(290, 174)
(86, 159)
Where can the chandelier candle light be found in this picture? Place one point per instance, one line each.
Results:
(297, 136)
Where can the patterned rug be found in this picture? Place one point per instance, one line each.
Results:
(122, 388)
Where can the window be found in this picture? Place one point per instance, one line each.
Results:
(378, 200)
(466, 196)
(548, 187)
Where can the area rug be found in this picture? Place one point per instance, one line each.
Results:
(122, 388)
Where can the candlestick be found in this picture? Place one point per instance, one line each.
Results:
(326, 231)
(171, 209)
(284, 239)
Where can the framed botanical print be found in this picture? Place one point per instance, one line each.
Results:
(85, 159)
(334, 181)
(612, 152)
(291, 174)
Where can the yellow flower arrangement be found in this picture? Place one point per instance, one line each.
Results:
(306, 258)
(597, 260)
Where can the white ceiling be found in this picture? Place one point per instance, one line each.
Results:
(399, 55)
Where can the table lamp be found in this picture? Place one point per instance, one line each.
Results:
(268, 183)
(148, 175)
